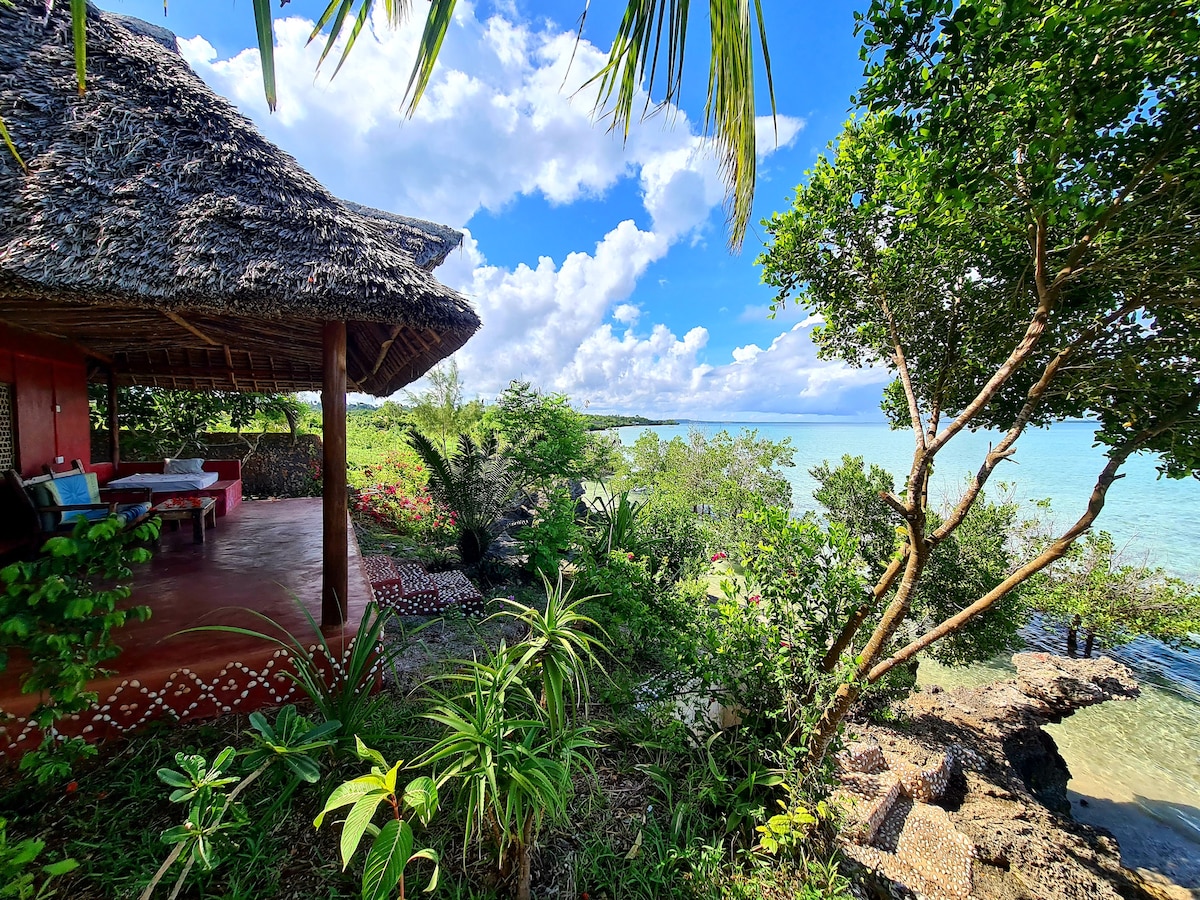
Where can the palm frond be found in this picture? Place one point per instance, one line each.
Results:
(79, 36)
(266, 48)
(729, 113)
(12, 148)
(476, 483)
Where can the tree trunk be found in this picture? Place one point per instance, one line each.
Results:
(471, 546)
(523, 876)
(1073, 637)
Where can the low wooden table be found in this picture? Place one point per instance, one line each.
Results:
(201, 510)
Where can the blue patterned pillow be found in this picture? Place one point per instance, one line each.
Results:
(76, 490)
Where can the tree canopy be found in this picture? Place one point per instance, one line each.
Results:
(1009, 225)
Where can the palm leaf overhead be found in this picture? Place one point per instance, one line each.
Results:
(651, 31)
(729, 112)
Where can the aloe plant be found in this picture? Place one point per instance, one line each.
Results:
(510, 769)
(340, 681)
(558, 647)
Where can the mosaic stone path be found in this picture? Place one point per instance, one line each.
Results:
(894, 828)
(411, 591)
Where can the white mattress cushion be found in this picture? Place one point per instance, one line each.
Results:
(161, 483)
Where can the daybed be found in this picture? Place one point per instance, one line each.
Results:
(226, 487)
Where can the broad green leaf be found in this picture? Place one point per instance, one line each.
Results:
(174, 779)
(421, 796)
(432, 856)
(350, 792)
(356, 823)
(62, 867)
(304, 767)
(365, 752)
(386, 861)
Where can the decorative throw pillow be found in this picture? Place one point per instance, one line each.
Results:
(76, 490)
(183, 467)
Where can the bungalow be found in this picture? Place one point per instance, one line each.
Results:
(154, 237)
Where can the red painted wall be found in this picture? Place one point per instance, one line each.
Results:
(47, 373)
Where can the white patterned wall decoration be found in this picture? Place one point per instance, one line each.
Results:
(126, 704)
(8, 437)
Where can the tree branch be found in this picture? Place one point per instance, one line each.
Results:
(914, 412)
(1005, 448)
(1060, 546)
(854, 623)
(1107, 476)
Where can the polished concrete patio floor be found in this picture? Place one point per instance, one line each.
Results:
(265, 556)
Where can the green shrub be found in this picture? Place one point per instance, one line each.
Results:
(547, 541)
(340, 681)
(545, 437)
(19, 868)
(476, 484)
(510, 767)
(214, 815)
(392, 844)
(62, 609)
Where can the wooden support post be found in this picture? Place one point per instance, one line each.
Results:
(335, 577)
(114, 424)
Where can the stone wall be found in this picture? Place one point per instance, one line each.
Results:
(273, 464)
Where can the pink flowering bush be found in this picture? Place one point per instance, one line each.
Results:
(393, 494)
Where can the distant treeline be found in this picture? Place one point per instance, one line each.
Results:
(600, 423)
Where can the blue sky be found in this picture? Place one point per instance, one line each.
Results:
(599, 270)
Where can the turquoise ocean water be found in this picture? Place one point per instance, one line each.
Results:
(1137, 764)
(1161, 516)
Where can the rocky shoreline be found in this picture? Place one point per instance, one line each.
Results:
(965, 796)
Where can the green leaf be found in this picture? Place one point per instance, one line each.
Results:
(306, 769)
(421, 796)
(356, 823)
(432, 856)
(174, 779)
(79, 34)
(365, 752)
(386, 860)
(12, 148)
(350, 792)
(62, 867)
(266, 47)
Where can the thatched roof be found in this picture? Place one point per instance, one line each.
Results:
(157, 229)
(428, 242)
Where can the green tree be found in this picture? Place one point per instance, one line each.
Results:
(1093, 590)
(440, 411)
(544, 436)
(1010, 228)
(974, 558)
(715, 477)
(649, 46)
(169, 422)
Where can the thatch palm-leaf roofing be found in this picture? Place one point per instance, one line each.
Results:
(160, 232)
